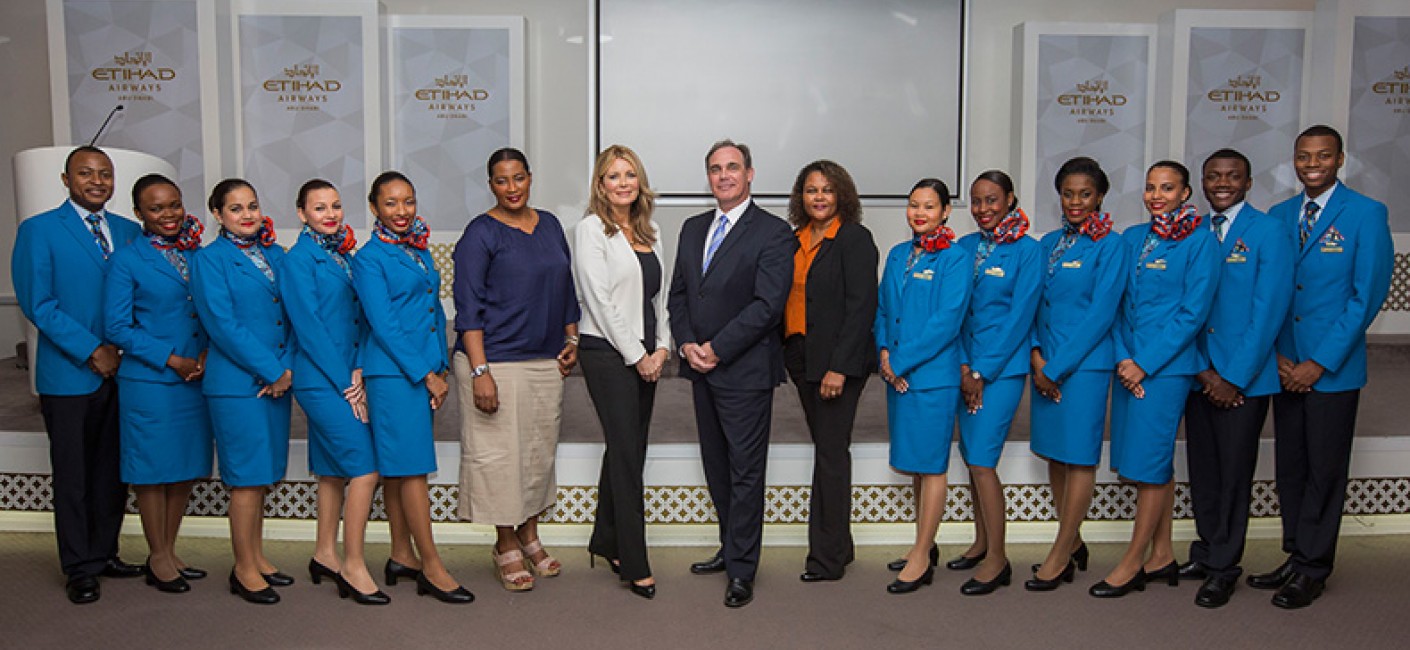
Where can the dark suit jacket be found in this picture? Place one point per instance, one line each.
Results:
(841, 302)
(737, 306)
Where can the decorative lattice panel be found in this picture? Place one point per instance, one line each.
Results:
(1399, 297)
(440, 254)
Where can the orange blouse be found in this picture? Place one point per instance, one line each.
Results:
(795, 311)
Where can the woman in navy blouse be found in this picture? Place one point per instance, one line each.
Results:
(166, 432)
(1008, 278)
(1172, 275)
(1072, 358)
(248, 375)
(924, 291)
(316, 285)
(516, 316)
(404, 368)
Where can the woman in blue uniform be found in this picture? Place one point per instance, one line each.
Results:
(316, 285)
(995, 341)
(248, 373)
(1072, 358)
(166, 433)
(924, 291)
(1173, 272)
(404, 366)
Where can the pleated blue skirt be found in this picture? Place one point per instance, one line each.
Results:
(165, 432)
(982, 435)
(251, 438)
(401, 426)
(921, 423)
(1143, 430)
(339, 444)
(1071, 431)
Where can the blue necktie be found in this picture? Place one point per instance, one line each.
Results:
(1219, 220)
(715, 239)
(95, 226)
(1309, 221)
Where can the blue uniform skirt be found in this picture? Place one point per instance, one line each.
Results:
(339, 444)
(251, 438)
(401, 426)
(922, 425)
(1071, 431)
(982, 435)
(165, 432)
(1143, 430)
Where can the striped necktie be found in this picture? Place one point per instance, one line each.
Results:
(715, 239)
(1308, 222)
(1218, 222)
(95, 225)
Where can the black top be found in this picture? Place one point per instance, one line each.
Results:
(650, 288)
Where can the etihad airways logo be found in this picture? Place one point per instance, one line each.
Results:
(1245, 88)
(302, 87)
(132, 76)
(1398, 83)
(450, 96)
(1092, 93)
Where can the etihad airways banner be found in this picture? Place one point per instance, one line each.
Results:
(1378, 133)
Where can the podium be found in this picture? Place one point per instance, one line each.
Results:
(38, 189)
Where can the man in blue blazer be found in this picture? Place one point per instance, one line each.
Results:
(734, 268)
(1343, 267)
(58, 265)
(1224, 415)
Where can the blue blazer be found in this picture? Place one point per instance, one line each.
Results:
(402, 304)
(1250, 302)
(58, 271)
(1342, 277)
(1168, 297)
(997, 330)
(1073, 325)
(326, 315)
(150, 314)
(252, 343)
(919, 314)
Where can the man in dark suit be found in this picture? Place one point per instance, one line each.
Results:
(734, 267)
(1342, 274)
(58, 264)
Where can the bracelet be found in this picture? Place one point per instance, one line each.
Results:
(570, 339)
(479, 370)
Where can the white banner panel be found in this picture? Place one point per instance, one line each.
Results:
(1378, 129)
(457, 95)
(145, 55)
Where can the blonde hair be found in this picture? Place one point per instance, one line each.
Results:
(639, 214)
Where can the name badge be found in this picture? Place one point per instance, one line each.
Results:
(1156, 265)
(1235, 258)
(927, 274)
(1074, 264)
(994, 271)
(1333, 248)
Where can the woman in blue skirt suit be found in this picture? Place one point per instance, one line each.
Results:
(165, 429)
(1072, 358)
(995, 342)
(404, 365)
(1173, 272)
(924, 291)
(248, 373)
(316, 285)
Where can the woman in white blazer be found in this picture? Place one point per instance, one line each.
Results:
(625, 340)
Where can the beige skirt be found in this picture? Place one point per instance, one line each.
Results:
(507, 458)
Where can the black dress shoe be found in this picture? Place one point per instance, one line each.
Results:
(83, 590)
(395, 569)
(345, 589)
(1215, 591)
(458, 596)
(317, 571)
(899, 586)
(266, 596)
(1193, 570)
(964, 562)
(1039, 584)
(1170, 573)
(973, 587)
(116, 568)
(192, 573)
(715, 564)
(177, 585)
(1273, 579)
(813, 576)
(278, 579)
(739, 593)
(900, 563)
(1105, 589)
(1079, 558)
(645, 591)
(1299, 592)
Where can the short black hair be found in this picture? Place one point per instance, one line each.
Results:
(1230, 154)
(1317, 130)
(87, 148)
(148, 181)
(217, 197)
(1001, 179)
(384, 178)
(1179, 168)
(935, 184)
(310, 186)
(1087, 167)
(503, 155)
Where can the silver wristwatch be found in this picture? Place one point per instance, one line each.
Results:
(479, 370)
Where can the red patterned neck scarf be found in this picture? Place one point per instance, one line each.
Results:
(264, 236)
(417, 236)
(186, 239)
(1096, 226)
(935, 240)
(1176, 224)
(1012, 228)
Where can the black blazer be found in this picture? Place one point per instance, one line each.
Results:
(841, 304)
(738, 305)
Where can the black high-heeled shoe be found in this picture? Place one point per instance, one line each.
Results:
(458, 596)
(974, 587)
(965, 562)
(1105, 589)
(645, 591)
(899, 586)
(1170, 573)
(1079, 558)
(317, 571)
(1038, 584)
(900, 563)
(192, 573)
(278, 579)
(176, 585)
(346, 589)
(612, 563)
(394, 569)
(266, 596)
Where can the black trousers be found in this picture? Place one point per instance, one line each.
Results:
(89, 495)
(1223, 450)
(1313, 432)
(734, 425)
(623, 401)
(830, 422)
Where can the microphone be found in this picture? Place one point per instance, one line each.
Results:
(105, 124)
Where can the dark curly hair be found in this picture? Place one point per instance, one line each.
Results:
(849, 205)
